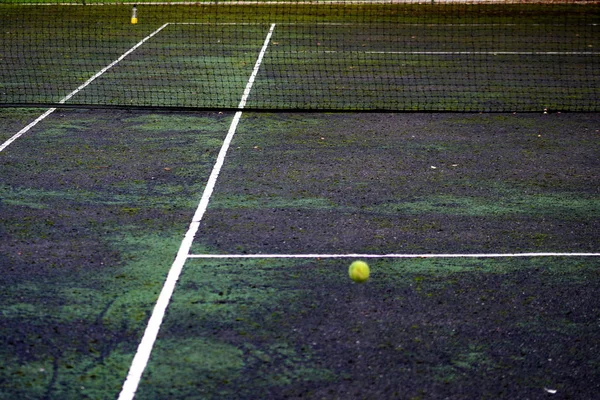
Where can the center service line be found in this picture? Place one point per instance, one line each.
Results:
(140, 360)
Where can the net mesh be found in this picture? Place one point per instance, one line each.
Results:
(395, 55)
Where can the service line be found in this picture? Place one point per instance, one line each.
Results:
(396, 255)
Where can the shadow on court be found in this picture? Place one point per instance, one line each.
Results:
(94, 205)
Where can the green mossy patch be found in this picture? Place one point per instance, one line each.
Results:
(12, 120)
(93, 215)
(93, 211)
(74, 330)
(302, 328)
(386, 183)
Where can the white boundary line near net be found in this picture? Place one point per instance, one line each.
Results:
(26, 129)
(424, 255)
(80, 88)
(140, 360)
(360, 24)
(490, 53)
(452, 53)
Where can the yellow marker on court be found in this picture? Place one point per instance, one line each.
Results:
(134, 15)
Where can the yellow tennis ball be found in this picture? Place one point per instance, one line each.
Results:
(359, 271)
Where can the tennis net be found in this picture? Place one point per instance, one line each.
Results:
(379, 55)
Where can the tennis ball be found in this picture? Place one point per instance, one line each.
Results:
(359, 271)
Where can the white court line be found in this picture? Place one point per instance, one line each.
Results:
(453, 53)
(425, 255)
(494, 53)
(362, 24)
(80, 88)
(144, 350)
(27, 128)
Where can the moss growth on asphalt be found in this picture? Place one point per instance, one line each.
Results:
(380, 183)
(12, 120)
(303, 328)
(93, 215)
(93, 212)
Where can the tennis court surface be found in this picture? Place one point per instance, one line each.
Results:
(183, 188)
